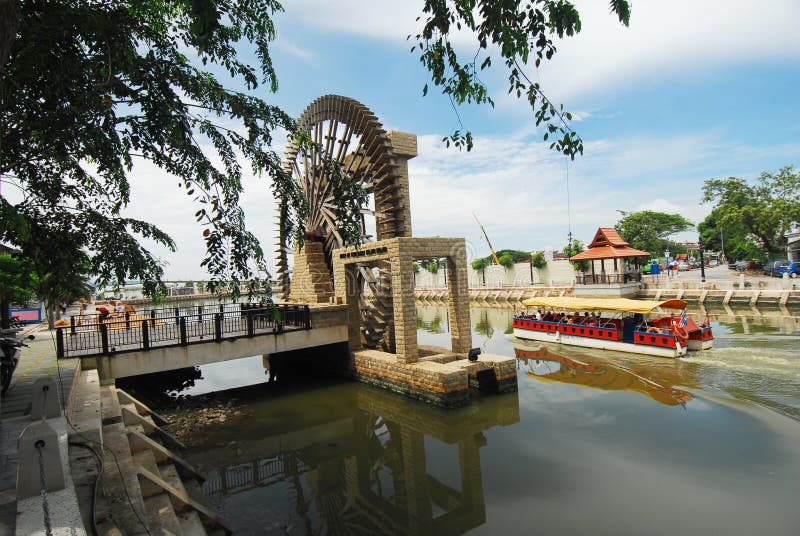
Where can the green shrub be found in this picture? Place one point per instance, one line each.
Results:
(506, 260)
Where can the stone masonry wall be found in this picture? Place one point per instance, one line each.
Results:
(311, 281)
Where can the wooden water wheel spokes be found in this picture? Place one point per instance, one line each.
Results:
(347, 132)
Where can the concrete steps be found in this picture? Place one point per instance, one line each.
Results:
(163, 488)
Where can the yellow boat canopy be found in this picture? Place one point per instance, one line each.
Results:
(605, 304)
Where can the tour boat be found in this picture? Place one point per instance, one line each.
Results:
(626, 326)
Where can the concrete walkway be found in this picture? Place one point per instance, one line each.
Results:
(36, 362)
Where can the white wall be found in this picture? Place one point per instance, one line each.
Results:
(555, 273)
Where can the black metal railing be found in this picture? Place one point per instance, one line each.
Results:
(134, 331)
(200, 311)
(605, 279)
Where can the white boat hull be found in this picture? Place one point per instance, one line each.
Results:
(585, 342)
(695, 346)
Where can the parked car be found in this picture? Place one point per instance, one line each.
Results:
(780, 268)
(775, 267)
(683, 266)
(741, 266)
(732, 265)
(793, 270)
(712, 263)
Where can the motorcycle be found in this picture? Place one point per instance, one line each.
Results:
(10, 357)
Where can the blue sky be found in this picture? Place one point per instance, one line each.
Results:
(691, 90)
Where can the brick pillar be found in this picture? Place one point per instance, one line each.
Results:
(404, 147)
(405, 309)
(458, 303)
(352, 293)
(311, 282)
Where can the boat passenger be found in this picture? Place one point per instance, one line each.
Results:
(576, 318)
(539, 315)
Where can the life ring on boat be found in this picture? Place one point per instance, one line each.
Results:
(681, 333)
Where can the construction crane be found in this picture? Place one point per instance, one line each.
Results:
(494, 255)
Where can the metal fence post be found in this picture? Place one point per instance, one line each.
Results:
(184, 339)
(250, 327)
(72, 325)
(177, 315)
(59, 343)
(104, 337)
(152, 317)
(307, 311)
(218, 327)
(145, 335)
(200, 313)
(127, 320)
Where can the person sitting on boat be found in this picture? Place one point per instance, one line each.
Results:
(575, 319)
(539, 314)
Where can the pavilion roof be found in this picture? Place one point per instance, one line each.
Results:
(609, 252)
(608, 244)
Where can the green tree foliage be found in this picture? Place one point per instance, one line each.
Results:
(432, 265)
(506, 260)
(760, 212)
(480, 264)
(88, 88)
(650, 231)
(17, 283)
(538, 260)
(512, 256)
(573, 248)
(519, 33)
(17, 278)
(731, 240)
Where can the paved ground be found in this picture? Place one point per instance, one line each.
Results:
(717, 273)
(37, 361)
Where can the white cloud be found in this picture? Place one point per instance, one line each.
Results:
(664, 38)
(294, 50)
(519, 187)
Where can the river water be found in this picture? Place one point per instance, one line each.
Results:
(593, 443)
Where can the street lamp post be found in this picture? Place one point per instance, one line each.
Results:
(702, 263)
(666, 254)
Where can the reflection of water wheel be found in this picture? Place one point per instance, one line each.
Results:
(347, 131)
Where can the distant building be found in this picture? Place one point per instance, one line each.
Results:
(793, 245)
(612, 270)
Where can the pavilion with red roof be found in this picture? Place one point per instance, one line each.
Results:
(609, 245)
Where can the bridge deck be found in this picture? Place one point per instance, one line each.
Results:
(144, 332)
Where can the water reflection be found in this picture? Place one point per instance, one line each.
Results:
(544, 365)
(756, 354)
(360, 461)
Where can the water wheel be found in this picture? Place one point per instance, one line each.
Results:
(347, 131)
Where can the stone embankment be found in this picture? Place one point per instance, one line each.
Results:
(146, 487)
(506, 294)
(708, 293)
